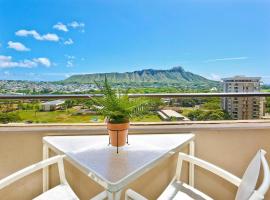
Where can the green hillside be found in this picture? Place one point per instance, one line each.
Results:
(176, 76)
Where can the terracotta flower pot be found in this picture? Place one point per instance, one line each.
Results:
(122, 130)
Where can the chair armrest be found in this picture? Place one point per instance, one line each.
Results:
(212, 168)
(131, 194)
(28, 170)
(266, 177)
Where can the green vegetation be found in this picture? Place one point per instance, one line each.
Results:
(265, 88)
(186, 111)
(202, 115)
(29, 116)
(81, 111)
(212, 104)
(9, 117)
(58, 116)
(147, 118)
(208, 110)
(118, 108)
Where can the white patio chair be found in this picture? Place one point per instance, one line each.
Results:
(246, 186)
(62, 191)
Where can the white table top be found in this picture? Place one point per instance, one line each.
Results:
(114, 171)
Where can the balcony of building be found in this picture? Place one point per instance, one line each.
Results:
(228, 144)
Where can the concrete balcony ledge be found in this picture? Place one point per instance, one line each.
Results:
(138, 127)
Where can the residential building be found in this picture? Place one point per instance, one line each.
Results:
(243, 107)
(52, 105)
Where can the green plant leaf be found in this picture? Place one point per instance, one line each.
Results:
(117, 107)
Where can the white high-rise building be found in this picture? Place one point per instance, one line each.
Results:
(243, 107)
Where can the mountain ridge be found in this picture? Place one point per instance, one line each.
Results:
(175, 76)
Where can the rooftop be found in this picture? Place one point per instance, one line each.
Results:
(241, 78)
(55, 102)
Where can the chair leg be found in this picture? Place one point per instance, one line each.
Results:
(45, 171)
(191, 165)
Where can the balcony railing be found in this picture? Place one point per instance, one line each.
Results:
(229, 144)
(7, 104)
(152, 95)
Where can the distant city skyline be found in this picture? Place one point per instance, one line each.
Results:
(51, 40)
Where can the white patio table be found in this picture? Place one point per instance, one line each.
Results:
(112, 170)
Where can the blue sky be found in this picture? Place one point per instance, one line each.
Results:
(51, 40)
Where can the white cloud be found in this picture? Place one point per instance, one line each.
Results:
(25, 33)
(215, 77)
(7, 62)
(68, 42)
(77, 25)
(43, 61)
(49, 36)
(70, 57)
(61, 27)
(227, 59)
(17, 46)
(74, 25)
(70, 61)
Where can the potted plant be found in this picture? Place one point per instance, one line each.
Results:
(118, 109)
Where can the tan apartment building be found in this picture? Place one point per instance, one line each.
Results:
(243, 107)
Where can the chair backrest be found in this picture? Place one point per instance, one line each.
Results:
(247, 189)
(30, 169)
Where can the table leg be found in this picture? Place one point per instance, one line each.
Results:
(110, 195)
(191, 166)
(101, 196)
(117, 195)
(45, 172)
(114, 195)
